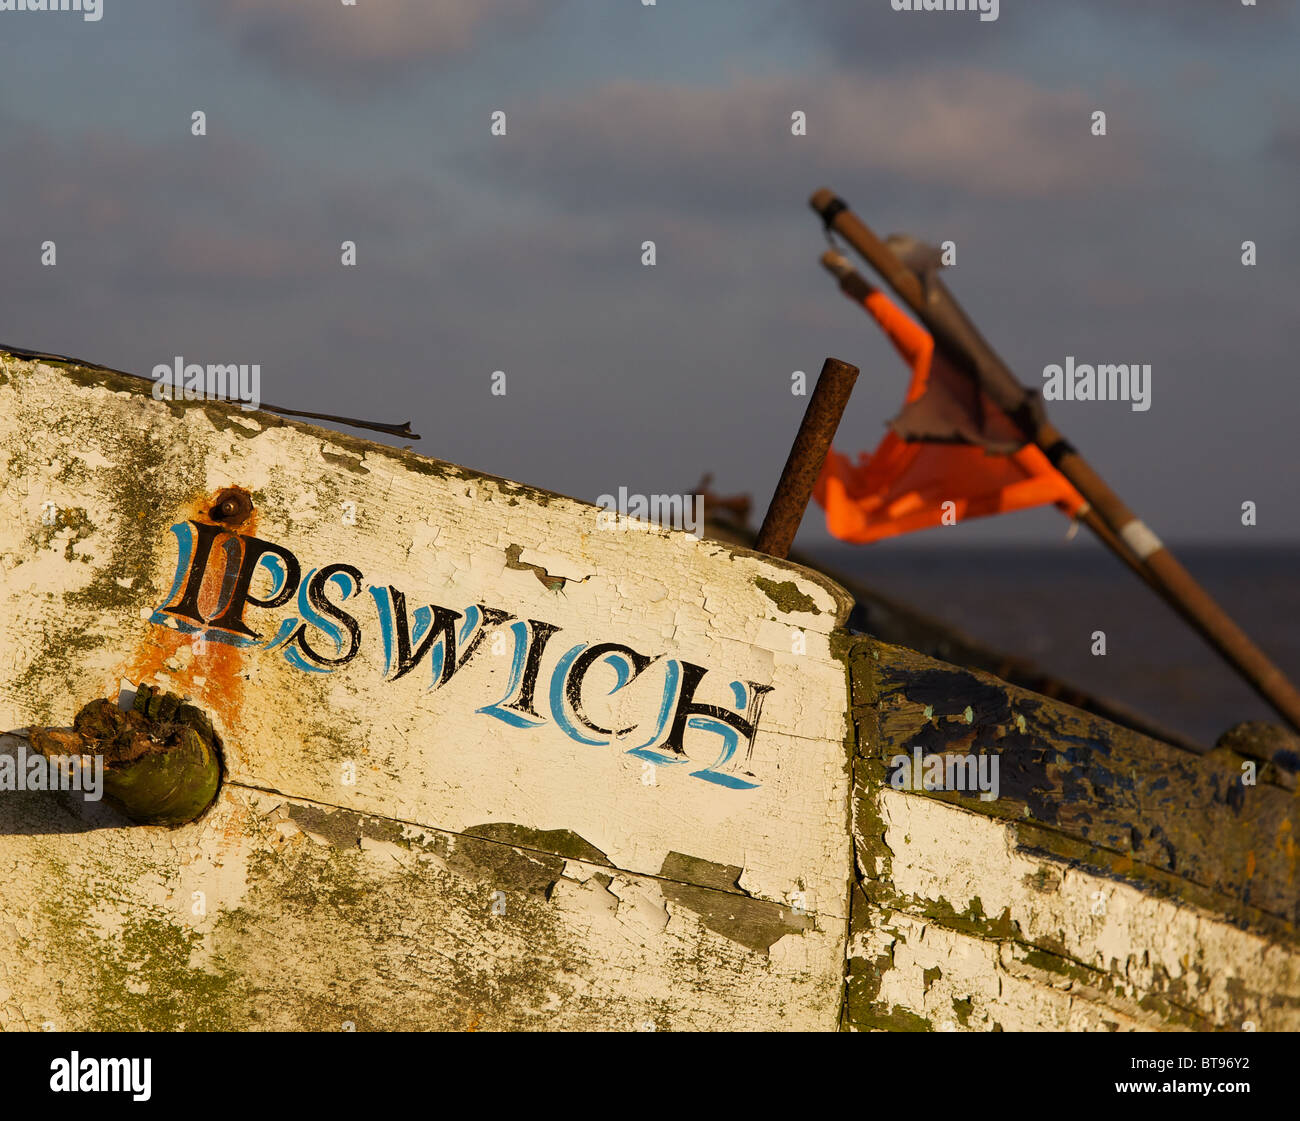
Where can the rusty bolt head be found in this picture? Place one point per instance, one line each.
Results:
(231, 506)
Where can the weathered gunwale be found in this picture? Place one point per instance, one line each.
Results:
(1193, 881)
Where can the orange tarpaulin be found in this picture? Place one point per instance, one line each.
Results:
(904, 484)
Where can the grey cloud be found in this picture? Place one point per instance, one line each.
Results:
(1193, 17)
(371, 42)
(874, 35)
(1284, 144)
(523, 256)
(172, 247)
(977, 131)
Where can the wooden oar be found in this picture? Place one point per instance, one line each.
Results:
(964, 346)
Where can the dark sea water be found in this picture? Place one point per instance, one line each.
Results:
(1045, 603)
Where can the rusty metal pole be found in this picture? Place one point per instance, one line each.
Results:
(807, 454)
(972, 353)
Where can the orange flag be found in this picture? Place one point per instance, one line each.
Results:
(905, 483)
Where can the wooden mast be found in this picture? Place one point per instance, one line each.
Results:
(962, 343)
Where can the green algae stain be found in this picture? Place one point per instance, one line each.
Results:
(786, 595)
(144, 501)
(388, 942)
(57, 520)
(971, 921)
(348, 462)
(561, 842)
(141, 977)
(153, 477)
(896, 1018)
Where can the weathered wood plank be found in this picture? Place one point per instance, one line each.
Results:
(1108, 944)
(491, 764)
(279, 914)
(1033, 910)
(456, 654)
(1219, 821)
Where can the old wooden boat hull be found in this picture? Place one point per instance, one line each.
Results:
(490, 763)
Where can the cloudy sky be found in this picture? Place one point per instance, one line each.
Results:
(626, 123)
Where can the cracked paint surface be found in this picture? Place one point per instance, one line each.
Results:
(429, 866)
(1037, 912)
(383, 855)
(308, 923)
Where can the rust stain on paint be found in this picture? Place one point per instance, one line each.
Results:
(215, 678)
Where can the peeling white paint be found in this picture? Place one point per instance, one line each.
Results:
(403, 752)
(1143, 944)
